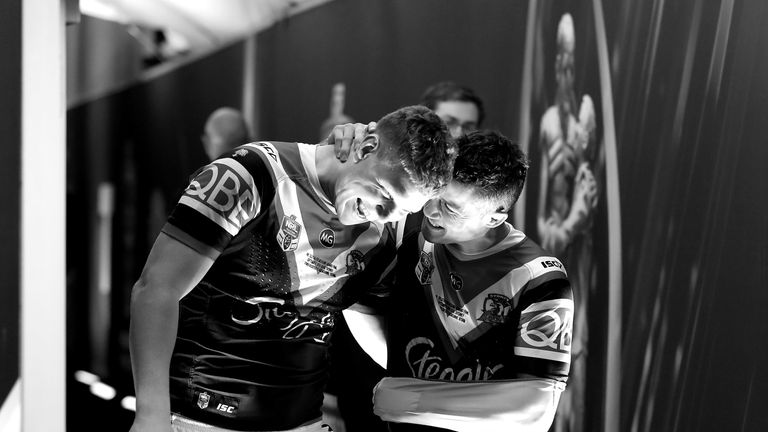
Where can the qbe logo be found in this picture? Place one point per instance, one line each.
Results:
(546, 330)
(224, 190)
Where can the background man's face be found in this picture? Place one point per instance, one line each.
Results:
(461, 117)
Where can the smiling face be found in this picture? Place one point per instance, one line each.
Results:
(458, 216)
(374, 191)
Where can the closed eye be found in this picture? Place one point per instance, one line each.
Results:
(385, 193)
(448, 208)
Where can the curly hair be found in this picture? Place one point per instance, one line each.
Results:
(494, 165)
(447, 91)
(416, 139)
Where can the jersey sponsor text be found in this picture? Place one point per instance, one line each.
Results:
(425, 365)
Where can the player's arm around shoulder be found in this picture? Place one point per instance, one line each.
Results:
(171, 271)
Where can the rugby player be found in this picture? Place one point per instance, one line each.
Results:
(231, 315)
(480, 320)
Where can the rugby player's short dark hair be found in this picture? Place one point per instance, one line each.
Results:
(418, 140)
(493, 164)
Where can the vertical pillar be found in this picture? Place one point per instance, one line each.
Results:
(250, 86)
(43, 179)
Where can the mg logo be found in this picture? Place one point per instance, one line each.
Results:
(327, 237)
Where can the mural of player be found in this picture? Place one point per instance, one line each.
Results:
(567, 201)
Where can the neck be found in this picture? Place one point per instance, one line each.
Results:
(491, 238)
(328, 169)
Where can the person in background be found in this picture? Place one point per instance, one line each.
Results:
(457, 105)
(224, 130)
(231, 316)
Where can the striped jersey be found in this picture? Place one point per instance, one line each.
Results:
(252, 344)
(497, 314)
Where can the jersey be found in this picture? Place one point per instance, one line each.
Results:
(503, 313)
(252, 344)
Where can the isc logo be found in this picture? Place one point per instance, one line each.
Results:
(225, 408)
(551, 263)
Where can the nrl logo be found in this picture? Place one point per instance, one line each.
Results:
(288, 236)
(424, 268)
(495, 309)
(203, 399)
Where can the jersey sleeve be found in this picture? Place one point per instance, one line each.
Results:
(222, 197)
(545, 325)
(510, 405)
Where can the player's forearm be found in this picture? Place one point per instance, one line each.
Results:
(520, 405)
(368, 331)
(154, 321)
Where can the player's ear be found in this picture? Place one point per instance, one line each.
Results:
(495, 218)
(368, 146)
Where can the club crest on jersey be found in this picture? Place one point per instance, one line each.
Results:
(456, 282)
(327, 237)
(288, 236)
(355, 263)
(496, 307)
(203, 399)
(424, 268)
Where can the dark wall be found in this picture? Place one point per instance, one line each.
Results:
(691, 104)
(689, 100)
(10, 177)
(387, 52)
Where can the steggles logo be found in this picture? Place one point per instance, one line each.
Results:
(427, 364)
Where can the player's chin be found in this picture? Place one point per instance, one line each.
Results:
(432, 234)
(350, 215)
